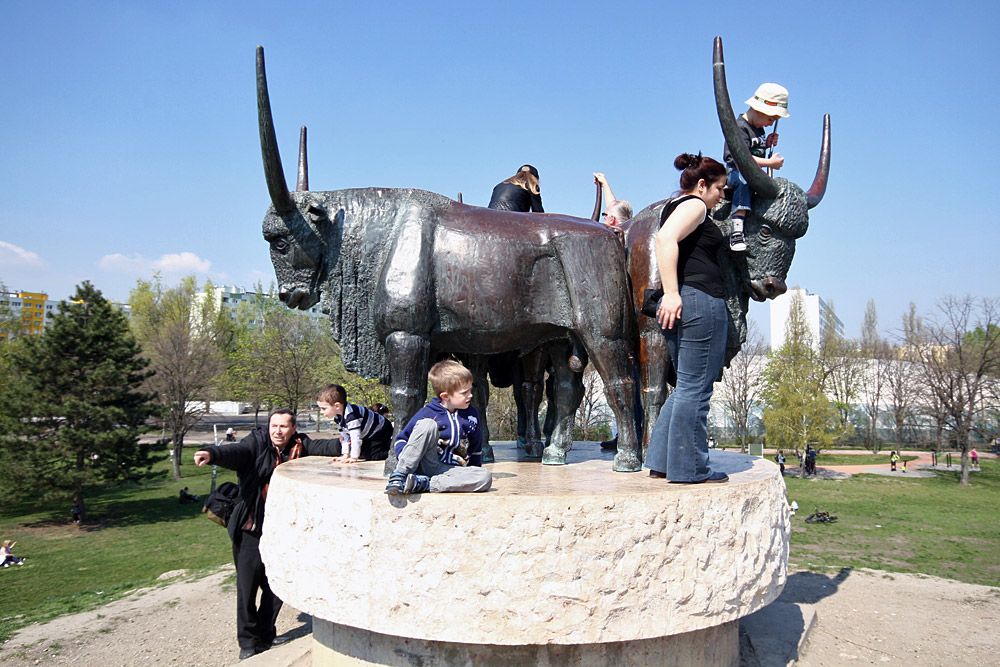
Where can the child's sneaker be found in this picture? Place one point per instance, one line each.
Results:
(397, 483)
(417, 484)
(736, 241)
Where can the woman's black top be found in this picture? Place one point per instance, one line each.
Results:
(698, 254)
(510, 197)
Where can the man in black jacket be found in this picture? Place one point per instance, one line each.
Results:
(254, 458)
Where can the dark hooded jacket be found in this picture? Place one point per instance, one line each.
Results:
(253, 460)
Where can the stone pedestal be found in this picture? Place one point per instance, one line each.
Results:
(568, 565)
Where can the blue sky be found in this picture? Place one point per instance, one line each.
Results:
(128, 138)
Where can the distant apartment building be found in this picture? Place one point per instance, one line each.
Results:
(27, 313)
(229, 299)
(818, 314)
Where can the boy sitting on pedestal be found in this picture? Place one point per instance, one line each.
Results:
(441, 450)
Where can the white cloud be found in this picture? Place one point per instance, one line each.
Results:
(171, 263)
(15, 255)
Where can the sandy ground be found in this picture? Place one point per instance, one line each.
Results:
(862, 618)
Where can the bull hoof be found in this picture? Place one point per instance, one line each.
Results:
(553, 456)
(488, 456)
(533, 449)
(627, 462)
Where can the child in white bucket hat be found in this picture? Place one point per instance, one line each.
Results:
(768, 104)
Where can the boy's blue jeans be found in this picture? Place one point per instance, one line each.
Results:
(741, 192)
(697, 346)
(420, 456)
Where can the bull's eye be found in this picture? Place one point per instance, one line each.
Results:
(765, 233)
(280, 245)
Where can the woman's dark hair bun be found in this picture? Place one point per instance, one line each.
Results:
(687, 160)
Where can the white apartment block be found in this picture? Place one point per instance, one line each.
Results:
(229, 299)
(818, 316)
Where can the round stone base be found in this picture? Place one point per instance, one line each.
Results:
(553, 563)
(336, 645)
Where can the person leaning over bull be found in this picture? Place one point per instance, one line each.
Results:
(692, 314)
(254, 459)
(519, 193)
(616, 211)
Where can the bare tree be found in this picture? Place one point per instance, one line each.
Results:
(902, 392)
(959, 357)
(743, 382)
(184, 340)
(592, 417)
(875, 355)
(842, 369)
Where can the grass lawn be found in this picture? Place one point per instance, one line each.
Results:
(132, 535)
(918, 525)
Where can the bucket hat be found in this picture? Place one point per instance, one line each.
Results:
(770, 99)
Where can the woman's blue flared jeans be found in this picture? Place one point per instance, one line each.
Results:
(697, 347)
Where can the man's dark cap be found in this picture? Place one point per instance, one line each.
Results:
(530, 168)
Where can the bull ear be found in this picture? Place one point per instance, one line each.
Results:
(302, 184)
(273, 172)
(818, 188)
(755, 177)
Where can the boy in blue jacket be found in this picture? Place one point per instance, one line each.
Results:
(441, 448)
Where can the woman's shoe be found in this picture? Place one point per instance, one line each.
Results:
(657, 474)
(713, 478)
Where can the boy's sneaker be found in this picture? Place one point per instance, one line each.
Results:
(736, 241)
(417, 484)
(397, 483)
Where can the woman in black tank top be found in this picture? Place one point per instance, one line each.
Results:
(693, 316)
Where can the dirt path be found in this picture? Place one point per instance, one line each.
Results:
(863, 618)
(191, 623)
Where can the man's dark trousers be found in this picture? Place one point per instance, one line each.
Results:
(254, 625)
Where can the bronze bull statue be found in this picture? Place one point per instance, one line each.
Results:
(405, 272)
(780, 216)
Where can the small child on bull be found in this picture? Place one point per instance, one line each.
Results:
(440, 449)
(768, 104)
(364, 433)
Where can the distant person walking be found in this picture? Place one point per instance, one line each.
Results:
(893, 459)
(780, 458)
(974, 457)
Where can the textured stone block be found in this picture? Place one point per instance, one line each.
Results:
(575, 554)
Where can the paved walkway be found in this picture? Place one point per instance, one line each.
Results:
(921, 466)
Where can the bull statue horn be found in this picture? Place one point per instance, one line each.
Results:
(273, 173)
(818, 188)
(755, 177)
(596, 215)
(302, 184)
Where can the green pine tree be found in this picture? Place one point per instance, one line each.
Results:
(797, 411)
(74, 406)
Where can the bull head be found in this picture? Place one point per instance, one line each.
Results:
(298, 225)
(780, 211)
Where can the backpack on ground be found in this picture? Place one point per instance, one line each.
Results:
(220, 503)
